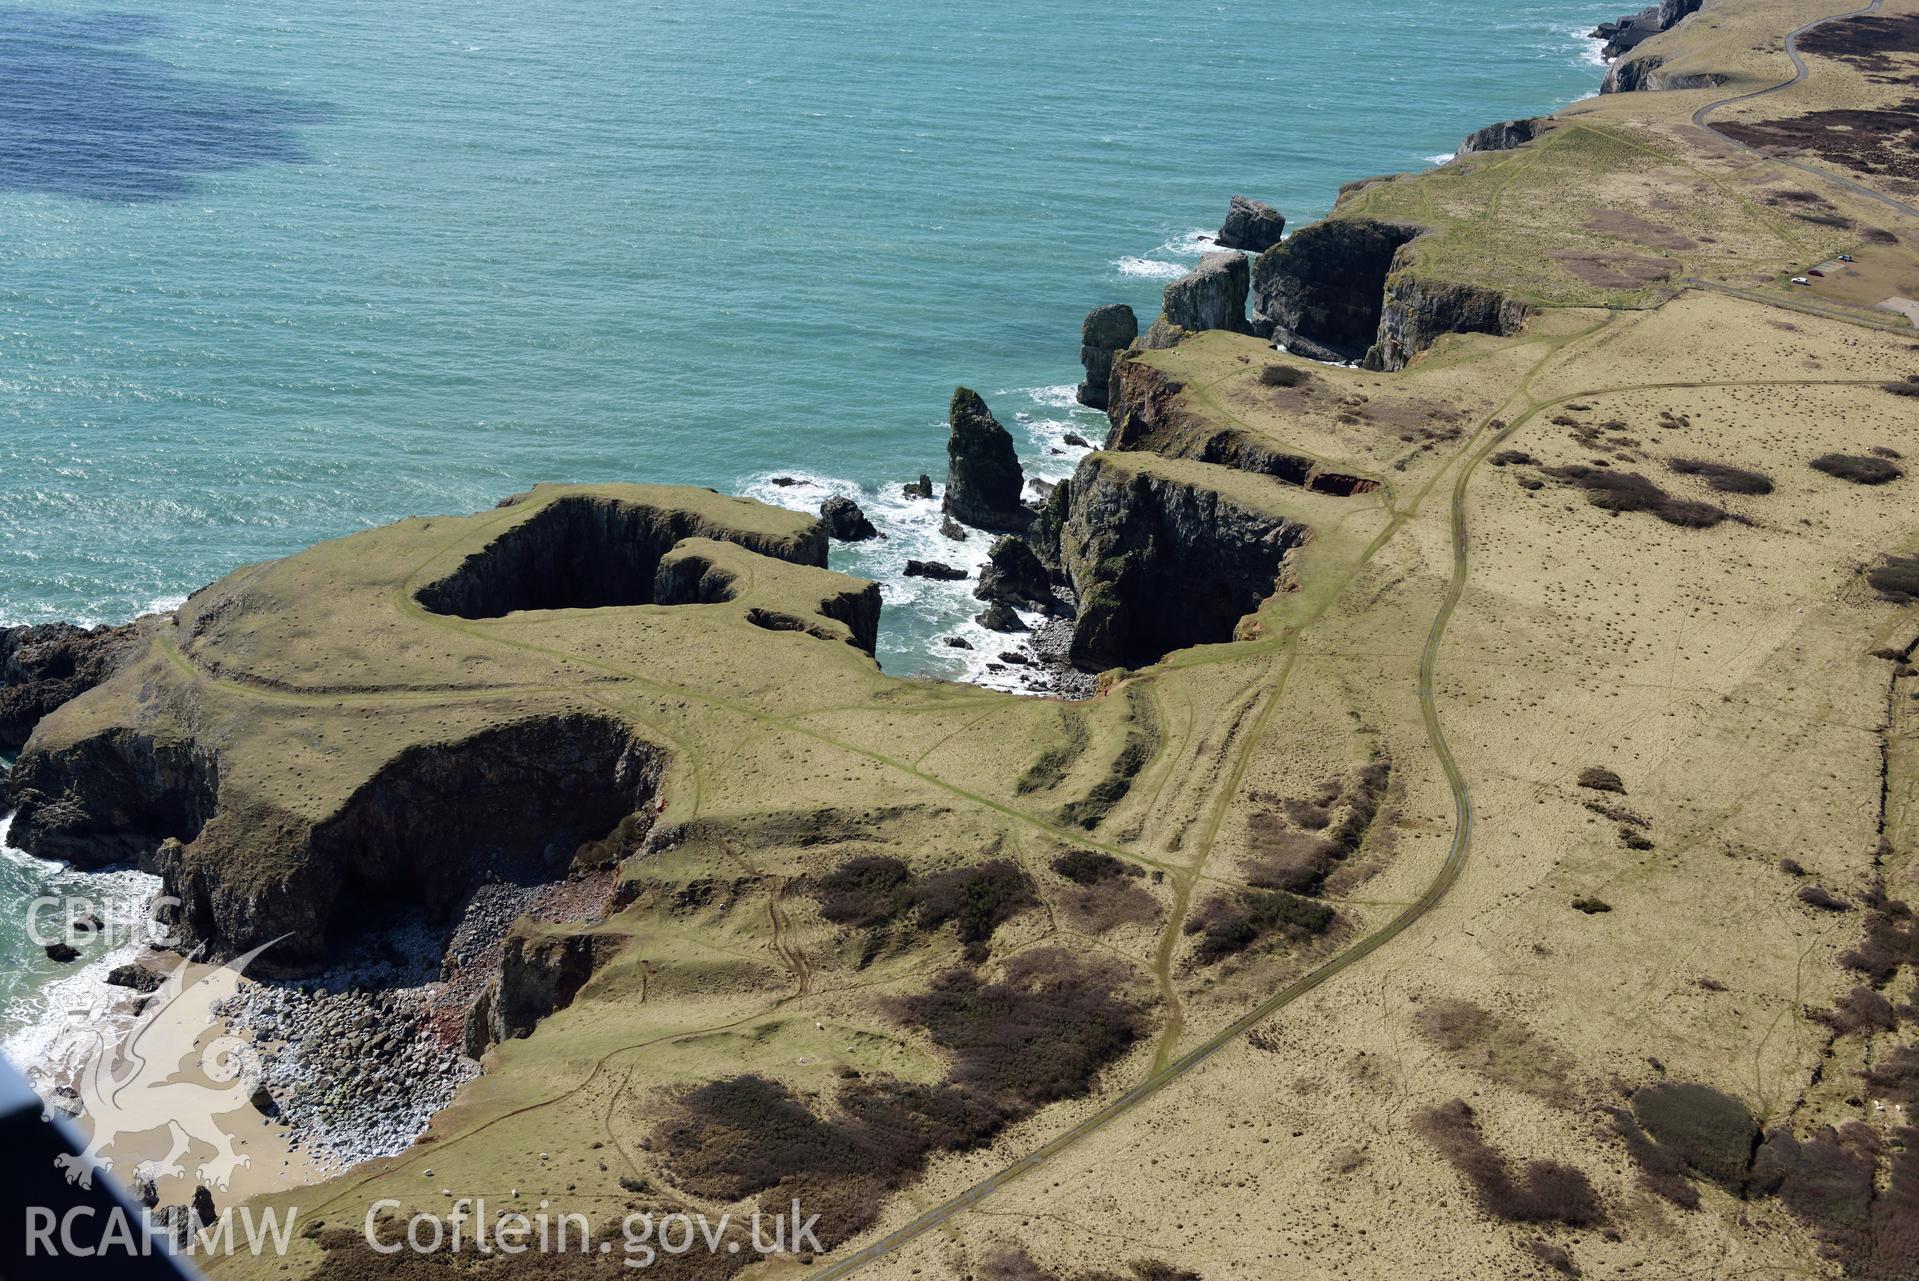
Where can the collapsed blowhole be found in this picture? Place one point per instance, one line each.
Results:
(577, 553)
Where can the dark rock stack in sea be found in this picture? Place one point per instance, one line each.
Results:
(983, 477)
(938, 570)
(1014, 575)
(1106, 331)
(845, 521)
(1211, 296)
(1251, 225)
(1505, 135)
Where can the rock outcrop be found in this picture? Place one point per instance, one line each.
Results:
(1105, 331)
(1628, 33)
(1157, 558)
(845, 521)
(983, 478)
(1505, 136)
(1632, 74)
(1322, 291)
(1251, 225)
(1211, 296)
(1147, 414)
(45, 666)
(1014, 575)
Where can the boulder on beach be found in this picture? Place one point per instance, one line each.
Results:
(845, 521)
(983, 478)
(999, 617)
(1105, 331)
(137, 977)
(1252, 225)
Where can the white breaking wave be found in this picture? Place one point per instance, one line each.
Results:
(1443, 158)
(1589, 48)
(1040, 419)
(51, 1024)
(1149, 269)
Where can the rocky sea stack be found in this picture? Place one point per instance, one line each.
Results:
(1251, 225)
(983, 477)
(1106, 331)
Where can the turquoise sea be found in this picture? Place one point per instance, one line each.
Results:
(275, 272)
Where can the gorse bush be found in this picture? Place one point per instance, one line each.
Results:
(866, 892)
(1043, 1032)
(1723, 477)
(1090, 867)
(1541, 1192)
(874, 891)
(1860, 469)
(1040, 1034)
(1600, 779)
(1896, 578)
(1626, 491)
(977, 900)
(1231, 923)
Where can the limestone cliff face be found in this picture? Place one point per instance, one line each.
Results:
(1322, 291)
(113, 797)
(1106, 331)
(1628, 33)
(1647, 74)
(539, 974)
(1157, 563)
(1504, 136)
(514, 802)
(1211, 296)
(1418, 312)
(46, 666)
(983, 477)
